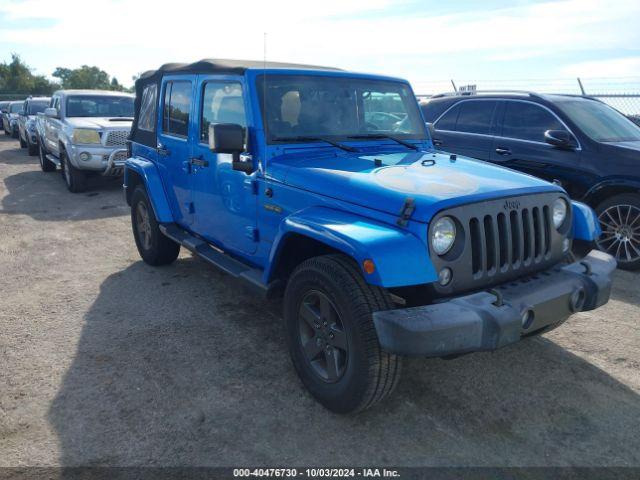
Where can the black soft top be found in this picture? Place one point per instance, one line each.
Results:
(222, 66)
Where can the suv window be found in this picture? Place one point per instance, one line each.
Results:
(528, 121)
(476, 116)
(448, 120)
(177, 105)
(221, 103)
(148, 108)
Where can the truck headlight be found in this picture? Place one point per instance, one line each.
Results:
(560, 208)
(86, 136)
(443, 235)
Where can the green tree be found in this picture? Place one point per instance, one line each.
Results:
(83, 77)
(17, 77)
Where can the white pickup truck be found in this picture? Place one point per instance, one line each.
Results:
(85, 132)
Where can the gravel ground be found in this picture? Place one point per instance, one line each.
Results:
(107, 361)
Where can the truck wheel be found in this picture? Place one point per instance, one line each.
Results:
(75, 179)
(620, 221)
(32, 149)
(23, 144)
(332, 340)
(154, 247)
(45, 164)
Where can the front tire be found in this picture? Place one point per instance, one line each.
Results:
(23, 144)
(32, 149)
(75, 179)
(332, 339)
(154, 247)
(620, 222)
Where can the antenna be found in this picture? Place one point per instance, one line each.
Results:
(264, 101)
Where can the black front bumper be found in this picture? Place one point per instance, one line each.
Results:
(490, 320)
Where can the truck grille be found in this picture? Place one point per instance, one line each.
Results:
(117, 138)
(500, 240)
(509, 239)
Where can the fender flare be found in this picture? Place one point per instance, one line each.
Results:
(612, 182)
(150, 176)
(400, 258)
(585, 222)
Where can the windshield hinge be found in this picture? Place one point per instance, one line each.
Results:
(405, 213)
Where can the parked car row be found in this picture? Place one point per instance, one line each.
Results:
(586, 146)
(82, 132)
(323, 187)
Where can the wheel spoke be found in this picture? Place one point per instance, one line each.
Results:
(326, 311)
(311, 348)
(310, 316)
(339, 339)
(626, 250)
(331, 358)
(611, 218)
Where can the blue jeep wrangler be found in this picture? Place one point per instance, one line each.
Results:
(322, 186)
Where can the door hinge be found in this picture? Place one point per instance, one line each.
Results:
(252, 233)
(405, 213)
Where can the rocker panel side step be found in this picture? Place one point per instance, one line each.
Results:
(53, 158)
(235, 268)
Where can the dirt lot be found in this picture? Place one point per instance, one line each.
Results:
(107, 361)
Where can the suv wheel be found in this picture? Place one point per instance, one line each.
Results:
(332, 340)
(154, 247)
(45, 164)
(620, 221)
(32, 148)
(75, 179)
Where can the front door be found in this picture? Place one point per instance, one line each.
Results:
(175, 132)
(225, 202)
(520, 145)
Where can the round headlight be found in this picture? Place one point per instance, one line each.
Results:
(443, 235)
(560, 208)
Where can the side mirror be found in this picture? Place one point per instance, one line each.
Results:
(560, 139)
(229, 138)
(51, 112)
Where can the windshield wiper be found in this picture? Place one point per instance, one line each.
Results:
(303, 138)
(374, 136)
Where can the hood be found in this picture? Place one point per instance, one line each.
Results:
(433, 180)
(632, 145)
(102, 123)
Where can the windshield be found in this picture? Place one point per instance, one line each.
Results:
(317, 106)
(97, 106)
(15, 107)
(599, 121)
(37, 107)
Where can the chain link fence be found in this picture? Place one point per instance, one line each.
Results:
(622, 93)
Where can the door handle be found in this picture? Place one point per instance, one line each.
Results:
(199, 162)
(503, 151)
(437, 143)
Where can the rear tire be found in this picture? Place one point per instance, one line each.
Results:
(332, 339)
(76, 180)
(154, 247)
(45, 164)
(620, 222)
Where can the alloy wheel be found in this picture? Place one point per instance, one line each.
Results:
(620, 232)
(324, 341)
(143, 225)
(67, 171)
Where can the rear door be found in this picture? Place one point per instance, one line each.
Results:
(175, 137)
(225, 202)
(520, 144)
(467, 128)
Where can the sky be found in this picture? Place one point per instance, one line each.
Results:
(491, 42)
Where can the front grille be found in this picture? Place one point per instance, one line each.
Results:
(116, 138)
(501, 240)
(509, 240)
(118, 157)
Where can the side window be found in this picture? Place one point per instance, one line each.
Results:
(528, 121)
(148, 104)
(177, 105)
(221, 103)
(475, 116)
(449, 119)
